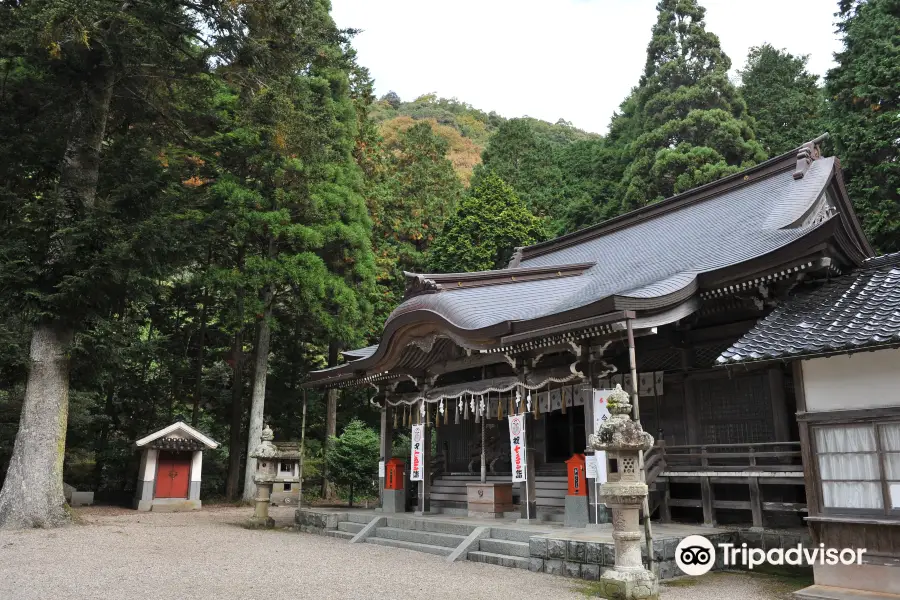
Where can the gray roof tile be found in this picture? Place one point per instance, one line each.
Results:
(849, 313)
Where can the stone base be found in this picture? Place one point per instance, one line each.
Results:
(393, 501)
(491, 499)
(260, 523)
(577, 511)
(167, 505)
(629, 585)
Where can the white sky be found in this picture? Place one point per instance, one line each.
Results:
(575, 59)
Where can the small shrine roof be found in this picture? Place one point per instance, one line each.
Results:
(176, 430)
(858, 311)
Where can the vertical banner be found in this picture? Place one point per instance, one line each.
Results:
(601, 415)
(417, 453)
(517, 447)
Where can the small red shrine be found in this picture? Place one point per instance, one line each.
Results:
(171, 464)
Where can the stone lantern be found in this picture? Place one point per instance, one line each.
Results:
(624, 493)
(265, 454)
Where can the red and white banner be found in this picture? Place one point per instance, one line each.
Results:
(517, 447)
(417, 453)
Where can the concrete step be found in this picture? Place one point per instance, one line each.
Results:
(430, 525)
(360, 517)
(427, 548)
(448, 540)
(502, 560)
(342, 535)
(505, 547)
(514, 535)
(350, 527)
(826, 592)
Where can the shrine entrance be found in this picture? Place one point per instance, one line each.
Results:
(173, 475)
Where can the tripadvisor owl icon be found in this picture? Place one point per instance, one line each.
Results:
(695, 555)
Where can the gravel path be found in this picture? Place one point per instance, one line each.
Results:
(123, 555)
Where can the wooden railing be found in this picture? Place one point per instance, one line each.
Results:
(654, 462)
(771, 463)
(769, 456)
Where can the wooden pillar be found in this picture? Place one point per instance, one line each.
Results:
(387, 442)
(665, 509)
(589, 428)
(809, 467)
(425, 484)
(781, 419)
(636, 410)
(706, 493)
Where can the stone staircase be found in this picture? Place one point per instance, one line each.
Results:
(505, 547)
(346, 530)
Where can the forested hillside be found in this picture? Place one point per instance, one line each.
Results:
(203, 202)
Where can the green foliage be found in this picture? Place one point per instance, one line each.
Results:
(352, 458)
(485, 229)
(417, 191)
(685, 124)
(783, 98)
(864, 114)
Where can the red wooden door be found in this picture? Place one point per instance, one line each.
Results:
(173, 475)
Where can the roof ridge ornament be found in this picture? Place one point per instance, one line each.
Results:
(419, 284)
(806, 154)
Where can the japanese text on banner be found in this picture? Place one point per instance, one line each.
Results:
(517, 447)
(417, 453)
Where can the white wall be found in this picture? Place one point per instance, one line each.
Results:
(846, 382)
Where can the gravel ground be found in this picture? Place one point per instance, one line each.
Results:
(123, 555)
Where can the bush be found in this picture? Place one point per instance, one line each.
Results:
(352, 458)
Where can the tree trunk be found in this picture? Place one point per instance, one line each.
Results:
(328, 489)
(232, 482)
(198, 373)
(32, 494)
(257, 404)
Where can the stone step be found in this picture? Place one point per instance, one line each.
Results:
(505, 547)
(430, 525)
(430, 538)
(360, 517)
(514, 535)
(502, 560)
(350, 527)
(427, 548)
(342, 535)
(825, 592)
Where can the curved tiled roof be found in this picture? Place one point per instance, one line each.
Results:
(854, 312)
(651, 259)
(655, 257)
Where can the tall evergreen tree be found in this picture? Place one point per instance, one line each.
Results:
(690, 122)
(527, 163)
(418, 193)
(864, 114)
(70, 250)
(485, 229)
(783, 98)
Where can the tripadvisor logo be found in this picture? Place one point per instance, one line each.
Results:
(696, 555)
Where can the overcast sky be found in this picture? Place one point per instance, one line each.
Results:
(551, 59)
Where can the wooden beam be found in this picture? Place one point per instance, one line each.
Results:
(809, 469)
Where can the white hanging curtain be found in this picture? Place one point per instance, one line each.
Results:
(848, 465)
